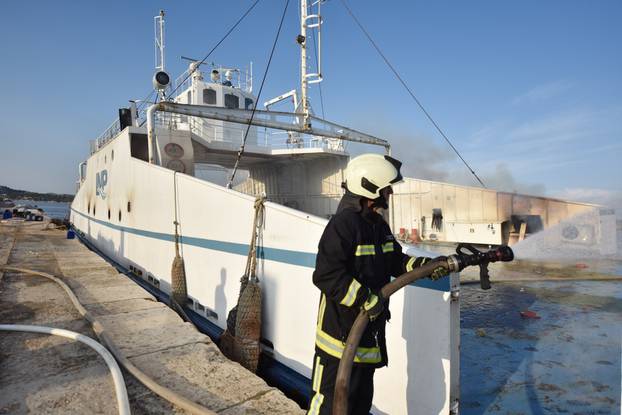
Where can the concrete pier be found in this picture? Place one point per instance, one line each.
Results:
(47, 374)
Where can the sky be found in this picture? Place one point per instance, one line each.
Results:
(530, 92)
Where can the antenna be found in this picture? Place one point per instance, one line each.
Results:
(311, 21)
(158, 22)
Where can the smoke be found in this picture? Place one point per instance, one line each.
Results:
(422, 158)
(502, 179)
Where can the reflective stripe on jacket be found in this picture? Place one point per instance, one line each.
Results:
(357, 253)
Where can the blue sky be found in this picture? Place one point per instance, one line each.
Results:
(530, 91)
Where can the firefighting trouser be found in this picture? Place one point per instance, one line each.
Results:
(361, 391)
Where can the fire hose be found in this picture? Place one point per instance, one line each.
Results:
(117, 376)
(161, 390)
(466, 255)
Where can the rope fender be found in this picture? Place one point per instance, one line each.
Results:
(240, 341)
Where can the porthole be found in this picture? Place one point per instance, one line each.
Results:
(129, 207)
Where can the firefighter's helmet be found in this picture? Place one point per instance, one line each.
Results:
(368, 174)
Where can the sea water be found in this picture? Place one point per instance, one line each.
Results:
(567, 360)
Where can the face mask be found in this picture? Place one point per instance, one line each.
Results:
(383, 200)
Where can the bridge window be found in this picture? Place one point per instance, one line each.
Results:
(209, 96)
(248, 103)
(232, 101)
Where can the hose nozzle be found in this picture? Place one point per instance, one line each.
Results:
(468, 255)
(502, 253)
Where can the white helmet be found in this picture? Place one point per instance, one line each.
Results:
(367, 174)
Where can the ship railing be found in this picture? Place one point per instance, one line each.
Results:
(260, 136)
(214, 130)
(241, 79)
(109, 133)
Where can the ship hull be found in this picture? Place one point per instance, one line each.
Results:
(125, 208)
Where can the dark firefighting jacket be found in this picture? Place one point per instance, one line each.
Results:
(357, 254)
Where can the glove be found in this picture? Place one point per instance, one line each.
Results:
(440, 271)
(374, 305)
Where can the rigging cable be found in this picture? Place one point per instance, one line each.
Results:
(217, 44)
(145, 101)
(397, 75)
(263, 80)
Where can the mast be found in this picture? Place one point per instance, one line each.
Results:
(158, 22)
(311, 21)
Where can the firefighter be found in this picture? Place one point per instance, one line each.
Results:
(357, 255)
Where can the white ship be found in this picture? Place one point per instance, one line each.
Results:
(145, 173)
(141, 175)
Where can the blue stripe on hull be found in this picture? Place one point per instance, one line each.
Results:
(303, 259)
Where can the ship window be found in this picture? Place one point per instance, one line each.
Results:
(232, 101)
(189, 97)
(108, 213)
(88, 209)
(209, 96)
(248, 103)
(129, 207)
(112, 155)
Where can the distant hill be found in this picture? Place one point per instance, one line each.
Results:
(14, 194)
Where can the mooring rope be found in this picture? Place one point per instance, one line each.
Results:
(179, 291)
